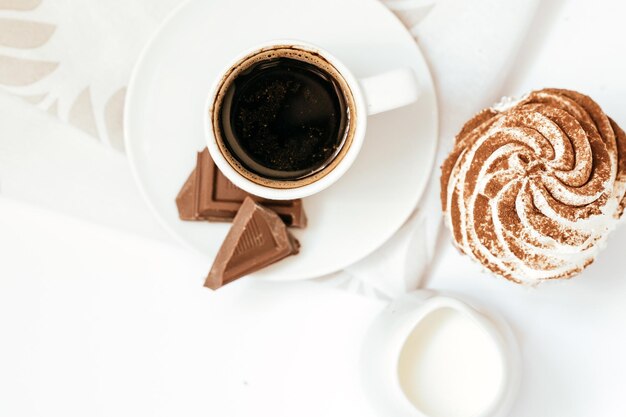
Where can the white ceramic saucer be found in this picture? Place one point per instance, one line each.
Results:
(168, 90)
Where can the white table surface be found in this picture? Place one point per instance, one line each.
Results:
(98, 322)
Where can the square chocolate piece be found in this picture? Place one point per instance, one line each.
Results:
(209, 195)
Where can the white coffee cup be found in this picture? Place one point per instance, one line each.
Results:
(366, 96)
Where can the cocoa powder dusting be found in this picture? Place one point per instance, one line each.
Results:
(554, 165)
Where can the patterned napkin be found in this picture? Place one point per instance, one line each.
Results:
(73, 59)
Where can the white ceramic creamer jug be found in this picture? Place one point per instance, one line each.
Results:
(432, 355)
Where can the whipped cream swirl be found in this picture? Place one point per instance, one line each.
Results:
(532, 191)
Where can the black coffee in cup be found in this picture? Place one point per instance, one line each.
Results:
(282, 116)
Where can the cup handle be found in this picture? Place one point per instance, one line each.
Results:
(390, 90)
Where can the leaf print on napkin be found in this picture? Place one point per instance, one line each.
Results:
(19, 4)
(22, 34)
(16, 71)
(19, 72)
(73, 58)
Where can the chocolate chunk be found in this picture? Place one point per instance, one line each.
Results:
(209, 195)
(185, 201)
(257, 238)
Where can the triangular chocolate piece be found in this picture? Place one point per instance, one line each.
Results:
(257, 238)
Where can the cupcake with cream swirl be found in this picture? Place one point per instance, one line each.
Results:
(532, 189)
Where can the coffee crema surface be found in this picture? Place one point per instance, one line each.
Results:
(283, 117)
